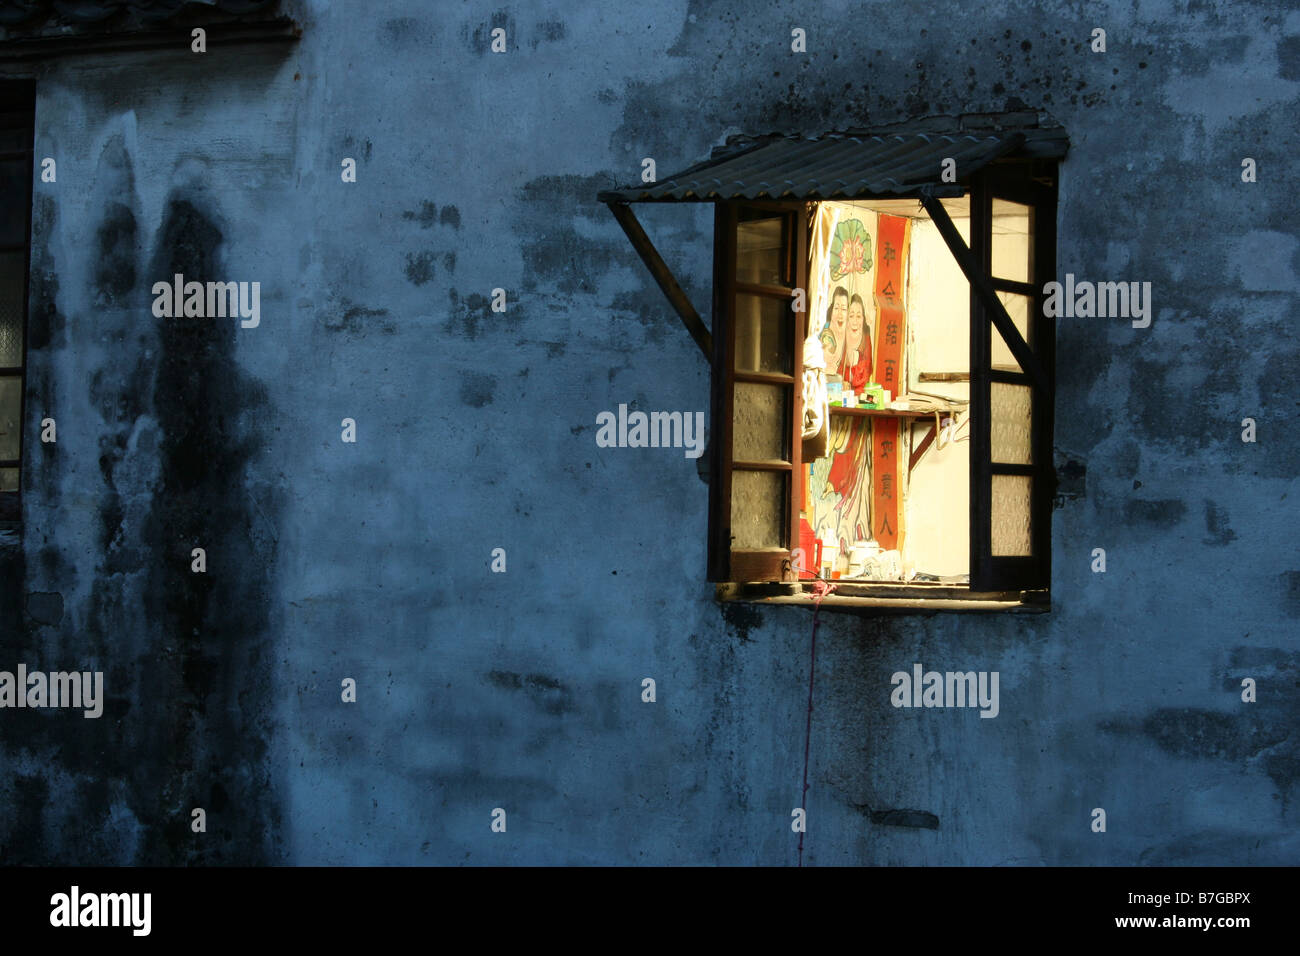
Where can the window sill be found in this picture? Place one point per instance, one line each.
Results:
(909, 598)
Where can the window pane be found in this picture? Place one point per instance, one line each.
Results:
(1013, 241)
(15, 129)
(760, 422)
(1011, 423)
(11, 406)
(1017, 307)
(13, 216)
(13, 140)
(11, 308)
(8, 479)
(758, 509)
(763, 333)
(1011, 513)
(758, 252)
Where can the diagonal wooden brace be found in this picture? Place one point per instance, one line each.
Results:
(983, 286)
(659, 269)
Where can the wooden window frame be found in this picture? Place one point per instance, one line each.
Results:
(18, 98)
(997, 583)
(726, 563)
(1016, 182)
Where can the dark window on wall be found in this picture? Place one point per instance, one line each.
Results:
(17, 131)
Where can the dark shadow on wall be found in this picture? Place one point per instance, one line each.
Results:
(187, 685)
(209, 684)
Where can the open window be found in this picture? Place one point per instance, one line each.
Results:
(897, 279)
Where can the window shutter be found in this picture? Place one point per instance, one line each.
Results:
(760, 258)
(1011, 417)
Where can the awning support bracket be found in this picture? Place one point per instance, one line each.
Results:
(983, 286)
(663, 275)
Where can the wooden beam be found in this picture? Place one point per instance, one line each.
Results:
(926, 442)
(175, 37)
(983, 287)
(943, 376)
(663, 275)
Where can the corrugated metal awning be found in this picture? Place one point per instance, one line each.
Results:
(843, 166)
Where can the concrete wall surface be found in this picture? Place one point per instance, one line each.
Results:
(475, 429)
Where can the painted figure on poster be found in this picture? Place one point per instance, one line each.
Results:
(856, 361)
(833, 335)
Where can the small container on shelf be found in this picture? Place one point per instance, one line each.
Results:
(860, 554)
(834, 389)
(841, 567)
(812, 550)
(830, 559)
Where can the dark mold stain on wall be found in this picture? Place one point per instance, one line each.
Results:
(479, 39)
(209, 685)
(555, 253)
(916, 819)
(1162, 514)
(477, 389)
(45, 324)
(45, 607)
(741, 618)
(115, 266)
(546, 693)
(428, 216)
(1290, 587)
(1216, 526)
(118, 390)
(404, 31)
(472, 315)
(548, 31)
(557, 214)
(353, 319)
(419, 267)
(1245, 734)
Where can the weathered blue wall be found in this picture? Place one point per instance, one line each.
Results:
(476, 430)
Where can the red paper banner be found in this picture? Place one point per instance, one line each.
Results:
(892, 234)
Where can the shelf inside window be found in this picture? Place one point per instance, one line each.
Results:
(886, 412)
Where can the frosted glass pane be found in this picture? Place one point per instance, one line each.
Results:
(8, 479)
(759, 422)
(1011, 423)
(1017, 307)
(1011, 513)
(11, 309)
(758, 509)
(763, 334)
(1013, 245)
(758, 252)
(11, 406)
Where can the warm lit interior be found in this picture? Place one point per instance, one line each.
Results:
(890, 308)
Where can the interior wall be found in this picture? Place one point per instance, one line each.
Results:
(938, 517)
